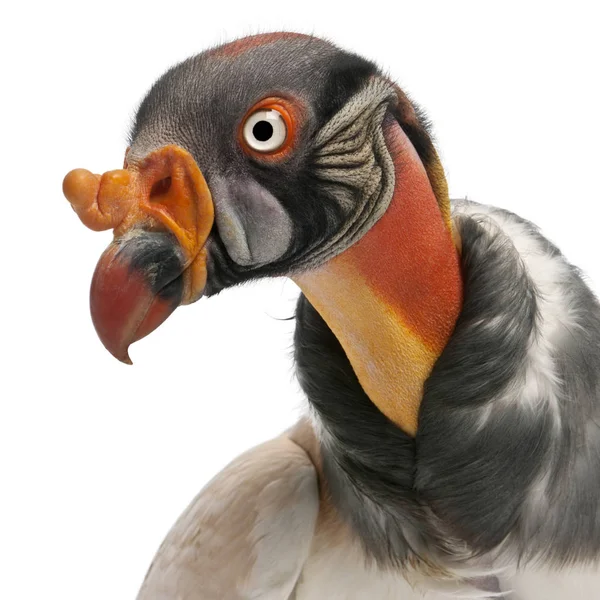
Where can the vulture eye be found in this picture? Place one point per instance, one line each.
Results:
(267, 131)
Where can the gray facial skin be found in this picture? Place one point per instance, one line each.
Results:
(253, 225)
(277, 218)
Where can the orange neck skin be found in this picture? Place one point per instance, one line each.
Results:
(392, 299)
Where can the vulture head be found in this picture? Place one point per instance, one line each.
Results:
(281, 155)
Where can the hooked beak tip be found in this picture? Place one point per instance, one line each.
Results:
(124, 304)
(125, 359)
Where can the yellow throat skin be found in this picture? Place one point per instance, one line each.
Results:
(392, 299)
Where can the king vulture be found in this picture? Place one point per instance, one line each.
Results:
(449, 352)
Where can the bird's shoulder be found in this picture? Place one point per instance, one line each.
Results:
(246, 534)
(508, 447)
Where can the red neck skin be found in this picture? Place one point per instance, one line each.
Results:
(392, 299)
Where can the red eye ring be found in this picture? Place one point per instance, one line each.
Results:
(288, 112)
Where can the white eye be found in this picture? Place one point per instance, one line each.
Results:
(265, 130)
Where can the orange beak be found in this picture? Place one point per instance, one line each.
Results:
(162, 212)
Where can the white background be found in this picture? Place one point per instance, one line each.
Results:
(97, 458)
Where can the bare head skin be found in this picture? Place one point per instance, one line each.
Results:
(296, 148)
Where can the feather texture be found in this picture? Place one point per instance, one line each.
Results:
(246, 535)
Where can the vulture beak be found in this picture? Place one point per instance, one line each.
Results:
(162, 212)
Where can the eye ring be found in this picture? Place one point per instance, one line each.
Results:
(265, 130)
(268, 129)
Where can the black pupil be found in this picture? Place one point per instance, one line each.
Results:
(263, 131)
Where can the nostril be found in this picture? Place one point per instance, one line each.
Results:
(160, 188)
